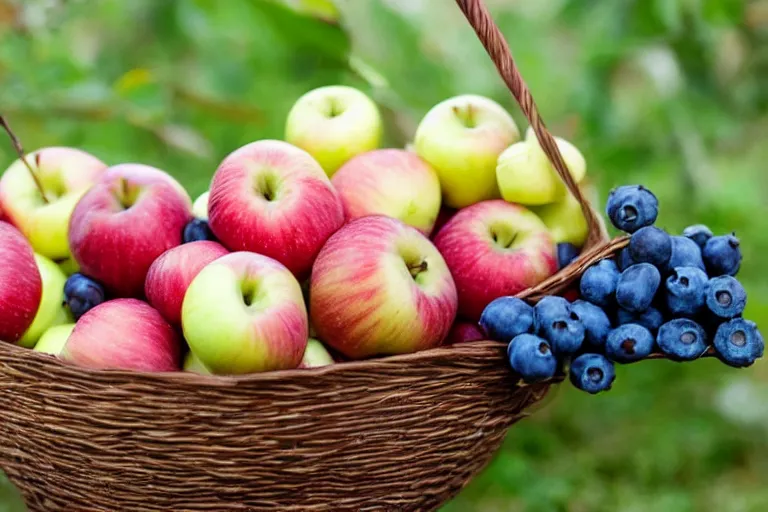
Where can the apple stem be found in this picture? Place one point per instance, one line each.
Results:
(20, 151)
(418, 268)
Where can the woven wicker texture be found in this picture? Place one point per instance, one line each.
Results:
(398, 433)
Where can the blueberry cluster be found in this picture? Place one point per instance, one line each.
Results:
(675, 295)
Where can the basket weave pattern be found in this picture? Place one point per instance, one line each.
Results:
(397, 433)
(403, 433)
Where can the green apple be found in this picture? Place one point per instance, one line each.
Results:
(244, 313)
(462, 138)
(53, 340)
(315, 355)
(193, 365)
(65, 175)
(526, 176)
(69, 266)
(200, 206)
(52, 310)
(565, 220)
(333, 124)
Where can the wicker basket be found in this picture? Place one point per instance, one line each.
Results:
(397, 433)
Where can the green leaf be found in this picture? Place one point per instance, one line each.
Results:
(10, 497)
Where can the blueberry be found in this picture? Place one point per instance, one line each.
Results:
(592, 373)
(651, 245)
(196, 230)
(739, 343)
(686, 291)
(699, 233)
(632, 207)
(624, 260)
(637, 286)
(685, 253)
(596, 322)
(651, 318)
(548, 309)
(81, 293)
(628, 343)
(506, 317)
(598, 284)
(531, 357)
(722, 255)
(726, 297)
(566, 253)
(682, 339)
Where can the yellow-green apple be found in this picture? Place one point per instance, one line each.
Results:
(462, 138)
(390, 182)
(244, 313)
(526, 176)
(132, 215)
(52, 310)
(21, 286)
(380, 287)
(69, 266)
(193, 365)
(65, 174)
(124, 334)
(463, 332)
(315, 355)
(333, 124)
(495, 248)
(172, 272)
(565, 220)
(53, 340)
(273, 198)
(200, 206)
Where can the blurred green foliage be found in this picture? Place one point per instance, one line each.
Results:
(669, 93)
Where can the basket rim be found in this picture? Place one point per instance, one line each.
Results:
(235, 380)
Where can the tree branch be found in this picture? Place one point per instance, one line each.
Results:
(20, 151)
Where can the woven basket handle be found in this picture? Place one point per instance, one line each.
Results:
(498, 49)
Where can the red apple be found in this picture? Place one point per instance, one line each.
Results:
(170, 275)
(273, 198)
(495, 248)
(380, 287)
(390, 182)
(124, 334)
(132, 215)
(21, 287)
(462, 332)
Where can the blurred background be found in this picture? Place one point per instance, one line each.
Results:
(669, 93)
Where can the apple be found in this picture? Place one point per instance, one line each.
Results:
(124, 334)
(333, 124)
(389, 182)
(495, 248)
(200, 206)
(315, 355)
(69, 266)
(21, 287)
(526, 176)
(565, 220)
(463, 332)
(462, 138)
(273, 198)
(53, 340)
(132, 215)
(65, 175)
(380, 287)
(171, 273)
(244, 313)
(193, 365)
(443, 217)
(51, 310)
